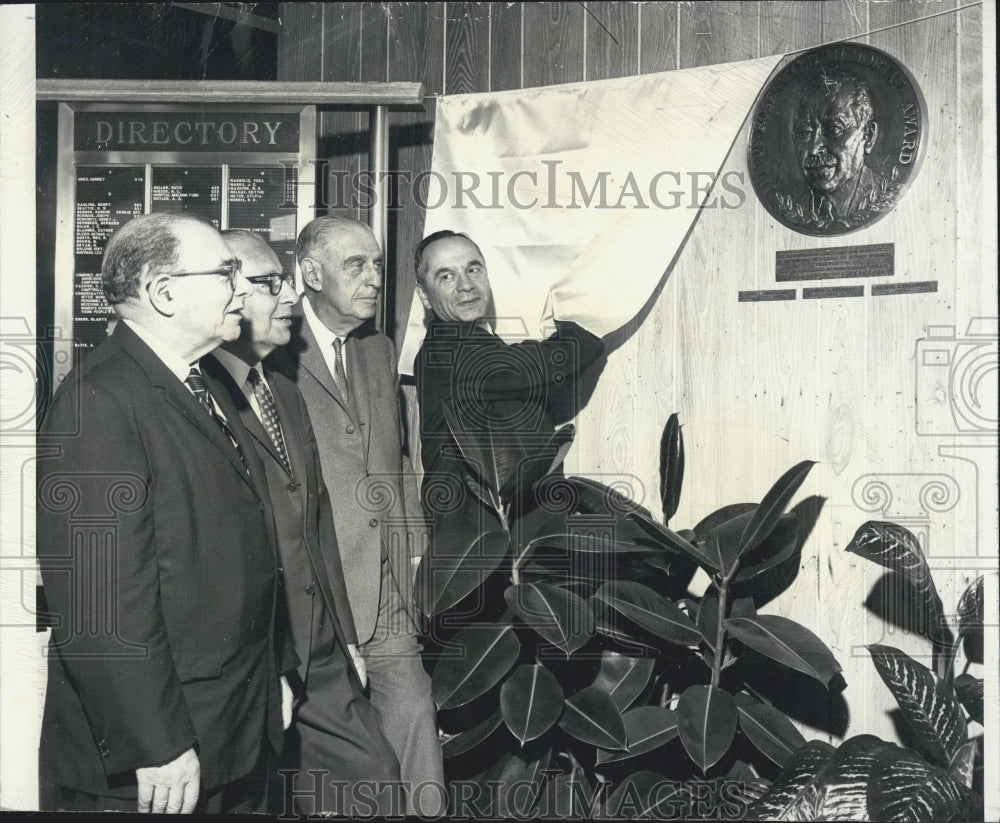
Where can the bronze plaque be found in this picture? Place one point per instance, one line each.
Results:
(836, 138)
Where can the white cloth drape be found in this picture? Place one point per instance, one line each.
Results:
(580, 195)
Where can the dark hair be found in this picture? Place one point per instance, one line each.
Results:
(418, 254)
(315, 231)
(147, 240)
(831, 82)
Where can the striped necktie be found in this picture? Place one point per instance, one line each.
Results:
(269, 416)
(199, 387)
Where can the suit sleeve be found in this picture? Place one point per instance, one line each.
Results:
(110, 637)
(417, 535)
(529, 369)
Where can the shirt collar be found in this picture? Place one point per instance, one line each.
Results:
(171, 359)
(236, 366)
(324, 337)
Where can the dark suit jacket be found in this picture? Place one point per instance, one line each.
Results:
(498, 391)
(156, 551)
(370, 479)
(307, 543)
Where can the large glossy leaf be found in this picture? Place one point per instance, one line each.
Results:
(623, 677)
(671, 467)
(768, 729)
(969, 690)
(787, 642)
(970, 607)
(647, 728)
(444, 579)
(591, 715)
(706, 720)
(865, 779)
(531, 701)
(926, 701)
(773, 550)
(559, 445)
(720, 516)
(476, 449)
(590, 543)
(596, 498)
(963, 764)
(532, 462)
(774, 504)
(793, 794)
(568, 797)
(480, 656)
(906, 787)
(561, 617)
(519, 786)
(898, 550)
(650, 610)
(457, 744)
(635, 795)
(671, 541)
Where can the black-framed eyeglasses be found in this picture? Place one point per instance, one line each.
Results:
(229, 268)
(274, 282)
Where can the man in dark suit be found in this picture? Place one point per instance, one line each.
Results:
(346, 371)
(510, 393)
(156, 549)
(336, 730)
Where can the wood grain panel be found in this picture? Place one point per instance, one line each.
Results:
(301, 25)
(787, 27)
(374, 41)
(467, 48)
(657, 37)
(553, 43)
(843, 19)
(343, 132)
(973, 294)
(719, 32)
(612, 40)
(505, 46)
(416, 51)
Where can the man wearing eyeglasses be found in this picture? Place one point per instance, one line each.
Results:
(346, 371)
(156, 548)
(336, 730)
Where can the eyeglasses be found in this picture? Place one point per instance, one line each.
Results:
(274, 282)
(229, 268)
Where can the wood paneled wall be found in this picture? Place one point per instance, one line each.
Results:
(759, 386)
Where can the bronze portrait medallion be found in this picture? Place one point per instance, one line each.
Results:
(836, 138)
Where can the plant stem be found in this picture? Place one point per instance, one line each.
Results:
(720, 632)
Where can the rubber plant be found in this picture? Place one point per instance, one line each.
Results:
(571, 649)
(870, 779)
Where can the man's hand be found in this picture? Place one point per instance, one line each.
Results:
(171, 788)
(359, 664)
(287, 700)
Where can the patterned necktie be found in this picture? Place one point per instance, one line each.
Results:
(339, 374)
(196, 382)
(269, 416)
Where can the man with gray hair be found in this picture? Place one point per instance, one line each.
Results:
(346, 371)
(156, 548)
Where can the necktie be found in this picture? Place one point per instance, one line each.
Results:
(269, 416)
(196, 382)
(339, 374)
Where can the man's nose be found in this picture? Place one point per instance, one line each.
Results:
(815, 141)
(242, 287)
(373, 275)
(464, 282)
(287, 294)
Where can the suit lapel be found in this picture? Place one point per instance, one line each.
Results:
(312, 360)
(290, 429)
(177, 395)
(247, 415)
(357, 368)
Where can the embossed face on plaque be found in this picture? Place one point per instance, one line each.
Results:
(836, 139)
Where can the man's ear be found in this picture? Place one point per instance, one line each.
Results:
(161, 298)
(311, 274)
(871, 132)
(423, 297)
